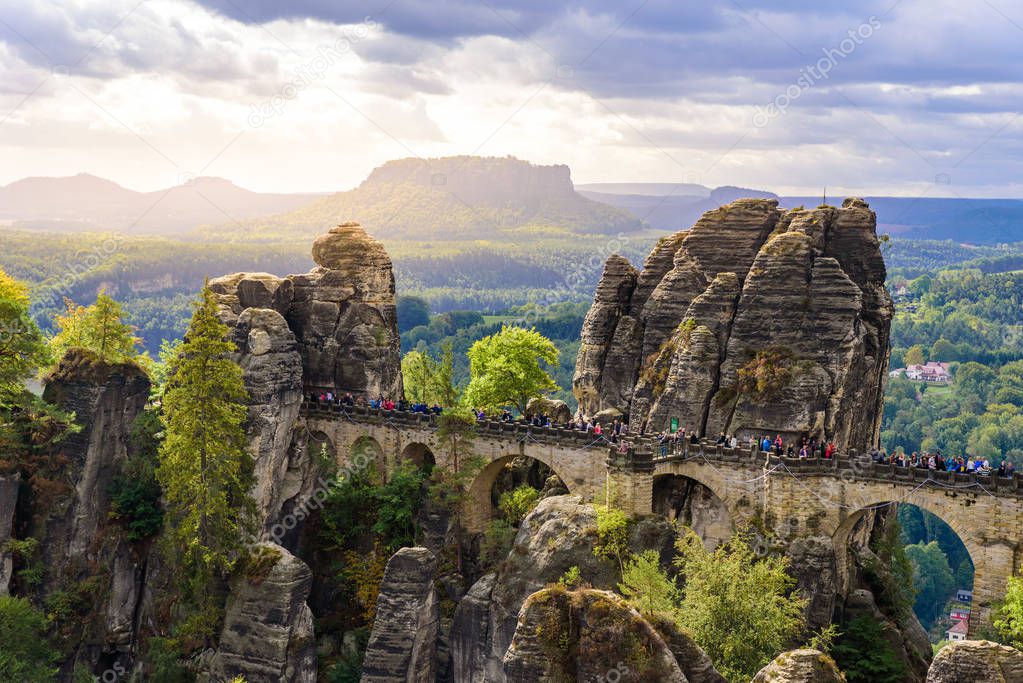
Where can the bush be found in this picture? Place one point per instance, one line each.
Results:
(25, 652)
(516, 504)
(612, 534)
(864, 654)
(497, 542)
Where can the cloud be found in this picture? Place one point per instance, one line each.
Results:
(618, 90)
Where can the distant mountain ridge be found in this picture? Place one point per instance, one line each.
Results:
(86, 202)
(447, 198)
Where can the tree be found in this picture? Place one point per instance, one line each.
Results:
(25, 652)
(932, 578)
(204, 469)
(456, 430)
(22, 347)
(647, 587)
(506, 369)
(740, 609)
(413, 311)
(914, 355)
(430, 380)
(1008, 616)
(98, 328)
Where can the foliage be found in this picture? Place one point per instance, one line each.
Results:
(412, 312)
(932, 580)
(890, 572)
(507, 368)
(22, 347)
(497, 542)
(647, 587)
(97, 328)
(572, 578)
(824, 639)
(204, 468)
(25, 651)
(518, 503)
(358, 505)
(765, 375)
(134, 491)
(865, 655)
(612, 534)
(740, 609)
(26, 552)
(365, 572)
(1008, 616)
(163, 660)
(429, 380)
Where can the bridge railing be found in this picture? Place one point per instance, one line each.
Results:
(851, 465)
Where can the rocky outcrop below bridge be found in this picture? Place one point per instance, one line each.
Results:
(756, 320)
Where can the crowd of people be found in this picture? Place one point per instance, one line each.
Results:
(673, 442)
(937, 462)
(379, 403)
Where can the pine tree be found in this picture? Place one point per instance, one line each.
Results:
(97, 328)
(22, 347)
(204, 468)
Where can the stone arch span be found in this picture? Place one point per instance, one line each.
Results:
(420, 454)
(993, 560)
(479, 505)
(738, 490)
(692, 504)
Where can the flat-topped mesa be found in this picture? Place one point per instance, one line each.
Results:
(342, 313)
(757, 320)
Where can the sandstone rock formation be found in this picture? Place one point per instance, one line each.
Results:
(976, 661)
(78, 543)
(751, 290)
(342, 313)
(268, 628)
(9, 485)
(402, 646)
(587, 635)
(558, 534)
(557, 411)
(332, 329)
(800, 666)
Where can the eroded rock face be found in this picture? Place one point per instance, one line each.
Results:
(402, 646)
(976, 661)
(610, 640)
(799, 292)
(76, 533)
(9, 485)
(558, 534)
(342, 313)
(800, 666)
(268, 628)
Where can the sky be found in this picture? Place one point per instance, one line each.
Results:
(887, 97)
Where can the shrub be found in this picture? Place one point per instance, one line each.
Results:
(497, 542)
(864, 654)
(25, 652)
(518, 503)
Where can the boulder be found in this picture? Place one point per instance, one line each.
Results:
(976, 661)
(749, 284)
(800, 666)
(268, 628)
(402, 646)
(558, 534)
(558, 411)
(587, 635)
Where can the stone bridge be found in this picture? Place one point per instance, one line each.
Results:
(790, 498)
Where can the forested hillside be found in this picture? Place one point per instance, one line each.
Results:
(449, 198)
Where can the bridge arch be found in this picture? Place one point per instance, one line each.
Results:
(480, 509)
(365, 449)
(989, 561)
(419, 454)
(694, 504)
